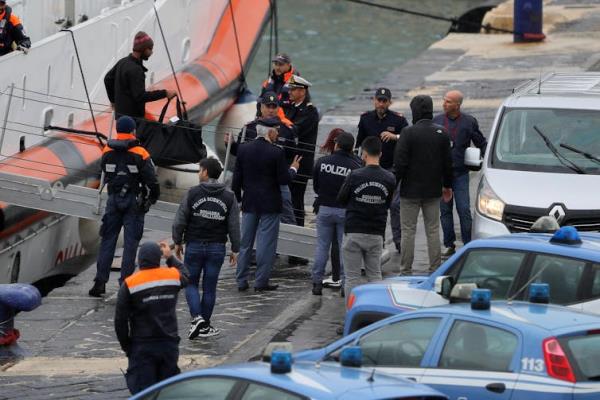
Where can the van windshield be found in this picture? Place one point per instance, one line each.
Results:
(518, 146)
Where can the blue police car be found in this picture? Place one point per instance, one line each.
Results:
(568, 261)
(509, 350)
(280, 380)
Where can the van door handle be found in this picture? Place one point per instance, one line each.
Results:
(496, 387)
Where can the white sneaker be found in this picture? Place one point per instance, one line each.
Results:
(330, 283)
(198, 324)
(209, 331)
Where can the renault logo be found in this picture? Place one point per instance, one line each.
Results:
(557, 212)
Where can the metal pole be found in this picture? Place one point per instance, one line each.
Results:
(227, 153)
(10, 96)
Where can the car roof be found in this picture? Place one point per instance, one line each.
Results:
(544, 318)
(588, 249)
(318, 380)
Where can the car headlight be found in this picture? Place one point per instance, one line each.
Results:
(488, 202)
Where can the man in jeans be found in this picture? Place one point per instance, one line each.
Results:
(366, 194)
(423, 166)
(462, 129)
(328, 177)
(206, 215)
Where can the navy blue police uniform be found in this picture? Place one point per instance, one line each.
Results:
(305, 119)
(132, 186)
(371, 124)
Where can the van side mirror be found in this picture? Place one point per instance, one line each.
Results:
(443, 285)
(473, 158)
(461, 292)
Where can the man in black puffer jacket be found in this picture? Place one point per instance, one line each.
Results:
(423, 166)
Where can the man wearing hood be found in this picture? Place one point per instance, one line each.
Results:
(208, 213)
(146, 318)
(423, 166)
(128, 174)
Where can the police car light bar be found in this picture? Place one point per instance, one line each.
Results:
(481, 299)
(539, 293)
(566, 235)
(281, 362)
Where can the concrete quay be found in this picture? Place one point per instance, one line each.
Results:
(68, 345)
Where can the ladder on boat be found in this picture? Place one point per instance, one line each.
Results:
(88, 203)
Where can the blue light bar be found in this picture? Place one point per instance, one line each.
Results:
(566, 235)
(281, 362)
(539, 293)
(481, 299)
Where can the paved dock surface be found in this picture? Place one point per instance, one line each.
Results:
(68, 344)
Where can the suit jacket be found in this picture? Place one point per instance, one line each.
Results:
(260, 170)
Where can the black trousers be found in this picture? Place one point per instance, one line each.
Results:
(298, 188)
(151, 362)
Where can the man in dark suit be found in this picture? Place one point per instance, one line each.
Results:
(260, 169)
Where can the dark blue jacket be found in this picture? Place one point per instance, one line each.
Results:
(329, 175)
(371, 125)
(462, 131)
(367, 193)
(260, 170)
(286, 139)
(305, 118)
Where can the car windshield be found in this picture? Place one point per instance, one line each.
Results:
(584, 352)
(521, 143)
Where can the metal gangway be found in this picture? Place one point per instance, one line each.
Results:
(89, 203)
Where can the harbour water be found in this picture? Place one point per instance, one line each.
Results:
(342, 47)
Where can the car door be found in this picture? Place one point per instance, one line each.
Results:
(403, 347)
(475, 361)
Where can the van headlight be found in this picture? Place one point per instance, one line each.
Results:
(488, 202)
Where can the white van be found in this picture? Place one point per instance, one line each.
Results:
(543, 157)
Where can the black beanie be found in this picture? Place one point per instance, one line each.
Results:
(149, 255)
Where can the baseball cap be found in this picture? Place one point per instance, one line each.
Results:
(269, 98)
(282, 58)
(383, 93)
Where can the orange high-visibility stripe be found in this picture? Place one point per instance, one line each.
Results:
(283, 118)
(139, 150)
(125, 136)
(152, 274)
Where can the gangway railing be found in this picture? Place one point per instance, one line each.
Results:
(88, 203)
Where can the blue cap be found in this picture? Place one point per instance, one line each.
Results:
(539, 293)
(566, 235)
(281, 362)
(149, 255)
(481, 299)
(351, 356)
(125, 124)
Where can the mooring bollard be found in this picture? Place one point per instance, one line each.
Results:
(528, 21)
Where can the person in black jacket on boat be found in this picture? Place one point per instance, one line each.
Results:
(126, 82)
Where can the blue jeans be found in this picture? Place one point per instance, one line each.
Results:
(203, 259)
(395, 217)
(330, 224)
(265, 229)
(120, 212)
(460, 189)
(287, 211)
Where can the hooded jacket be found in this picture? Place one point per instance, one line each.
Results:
(124, 161)
(422, 158)
(147, 300)
(208, 213)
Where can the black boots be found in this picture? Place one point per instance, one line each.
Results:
(317, 289)
(98, 289)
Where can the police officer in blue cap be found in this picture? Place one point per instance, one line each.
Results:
(129, 175)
